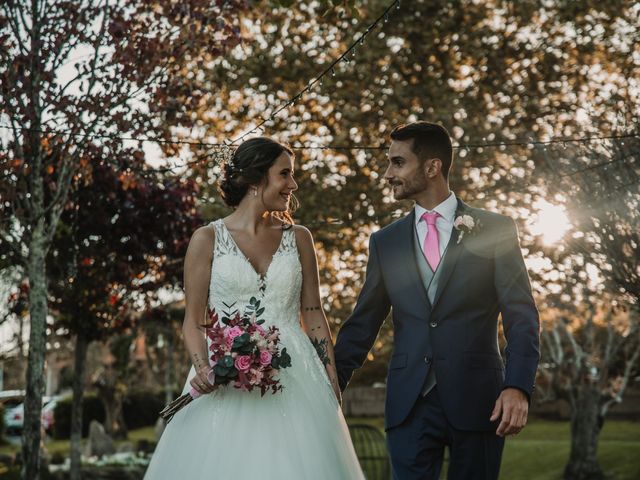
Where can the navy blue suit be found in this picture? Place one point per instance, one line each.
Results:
(482, 276)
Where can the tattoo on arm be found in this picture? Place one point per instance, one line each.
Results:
(321, 349)
(197, 361)
(312, 309)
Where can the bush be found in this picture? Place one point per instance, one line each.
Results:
(141, 408)
(92, 409)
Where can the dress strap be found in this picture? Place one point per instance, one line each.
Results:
(224, 244)
(289, 241)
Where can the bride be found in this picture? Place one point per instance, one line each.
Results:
(298, 433)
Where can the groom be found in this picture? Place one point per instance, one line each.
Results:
(446, 271)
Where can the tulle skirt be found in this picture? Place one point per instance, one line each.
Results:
(296, 434)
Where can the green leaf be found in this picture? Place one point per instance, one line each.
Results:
(260, 312)
(226, 361)
(241, 341)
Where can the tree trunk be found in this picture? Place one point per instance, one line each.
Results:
(586, 423)
(79, 369)
(111, 396)
(31, 434)
(168, 374)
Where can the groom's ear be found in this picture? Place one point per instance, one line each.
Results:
(433, 167)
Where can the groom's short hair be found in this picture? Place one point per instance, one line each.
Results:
(430, 140)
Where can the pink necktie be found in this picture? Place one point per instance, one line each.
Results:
(431, 244)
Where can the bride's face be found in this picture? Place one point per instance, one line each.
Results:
(279, 184)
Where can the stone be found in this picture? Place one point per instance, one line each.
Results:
(126, 447)
(99, 442)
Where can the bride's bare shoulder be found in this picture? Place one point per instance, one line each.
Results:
(304, 239)
(202, 240)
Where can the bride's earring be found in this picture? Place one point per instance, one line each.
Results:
(255, 192)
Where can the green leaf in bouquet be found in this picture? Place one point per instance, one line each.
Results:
(275, 363)
(225, 320)
(240, 341)
(221, 371)
(285, 359)
(253, 300)
(260, 322)
(260, 312)
(233, 373)
(226, 361)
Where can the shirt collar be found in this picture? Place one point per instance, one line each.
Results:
(447, 209)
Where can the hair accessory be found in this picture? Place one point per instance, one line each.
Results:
(223, 154)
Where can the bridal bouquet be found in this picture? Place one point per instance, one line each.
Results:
(243, 353)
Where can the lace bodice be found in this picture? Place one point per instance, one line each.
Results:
(233, 279)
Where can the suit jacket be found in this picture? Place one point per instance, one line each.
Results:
(481, 276)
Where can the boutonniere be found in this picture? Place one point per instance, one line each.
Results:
(466, 224)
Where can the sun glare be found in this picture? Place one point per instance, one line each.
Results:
(551, 221)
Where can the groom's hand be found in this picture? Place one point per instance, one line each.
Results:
(513, 406)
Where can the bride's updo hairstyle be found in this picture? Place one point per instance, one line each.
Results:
(248, 166)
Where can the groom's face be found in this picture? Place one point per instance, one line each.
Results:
(405, 173)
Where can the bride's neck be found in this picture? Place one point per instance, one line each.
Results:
(249, 218)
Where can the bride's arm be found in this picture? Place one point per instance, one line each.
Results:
(197, 272)
(313, 318)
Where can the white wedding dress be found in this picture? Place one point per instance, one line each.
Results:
(296, 434)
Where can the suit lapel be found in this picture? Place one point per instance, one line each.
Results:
(450, 256)
(406, 250)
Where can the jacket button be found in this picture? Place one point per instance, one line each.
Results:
(433, 324)
(427, 360)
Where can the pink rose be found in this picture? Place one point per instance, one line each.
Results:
(265, 358)
(234, 332)
(243, 363)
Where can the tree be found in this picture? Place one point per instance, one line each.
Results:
(121, 239)
(123, 56)
(489, 71)
(591, 339)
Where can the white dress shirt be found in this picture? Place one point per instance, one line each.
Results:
(444, 223)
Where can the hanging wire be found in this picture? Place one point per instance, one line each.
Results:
(331, 68)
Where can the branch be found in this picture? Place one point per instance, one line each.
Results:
(577, 350)
(629, 367)
(12, 21)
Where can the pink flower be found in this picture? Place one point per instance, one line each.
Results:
(233, 332)
(265, 358)
(255, 377)
(260, 329)
(243, 363)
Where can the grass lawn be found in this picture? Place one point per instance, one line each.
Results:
(538, 453)
(541, 451)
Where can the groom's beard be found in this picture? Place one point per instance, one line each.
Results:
(409, 188)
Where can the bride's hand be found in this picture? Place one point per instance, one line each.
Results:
(201, 382)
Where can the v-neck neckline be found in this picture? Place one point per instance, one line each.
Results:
(253, 268)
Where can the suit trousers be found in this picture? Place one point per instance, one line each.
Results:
(417, 445)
